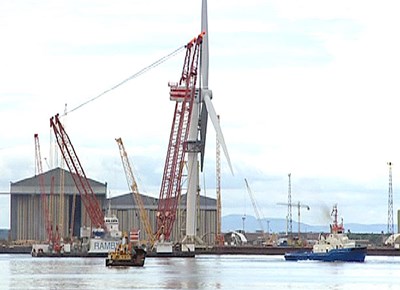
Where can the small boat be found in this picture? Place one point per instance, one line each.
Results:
(126, 254)
(334, 247)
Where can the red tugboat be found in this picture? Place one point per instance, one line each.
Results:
(334, 247)
(127, 254)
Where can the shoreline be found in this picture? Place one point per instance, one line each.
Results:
(216, 250)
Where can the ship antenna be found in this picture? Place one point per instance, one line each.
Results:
(109, 205)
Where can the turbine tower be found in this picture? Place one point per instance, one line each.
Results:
(390, 228)
(202, 107)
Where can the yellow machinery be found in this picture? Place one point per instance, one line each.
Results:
(126, 254)
(135, 191)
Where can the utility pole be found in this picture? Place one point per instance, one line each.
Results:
(390, 229)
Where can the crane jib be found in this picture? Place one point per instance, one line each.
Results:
(78, 175)
(183, 94)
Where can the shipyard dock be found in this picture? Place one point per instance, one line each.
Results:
(216, 250)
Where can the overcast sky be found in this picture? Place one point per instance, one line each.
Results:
(303, 87)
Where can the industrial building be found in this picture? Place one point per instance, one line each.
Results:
(68, 214)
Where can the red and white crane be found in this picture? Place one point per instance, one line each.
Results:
(183, 93)
(188, 135)
(85, 190)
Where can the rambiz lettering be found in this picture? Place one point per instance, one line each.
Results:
(110, 245)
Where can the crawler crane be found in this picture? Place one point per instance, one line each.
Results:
(183, 93)
(130, 178)
(85, 190)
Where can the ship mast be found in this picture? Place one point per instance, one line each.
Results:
(335, 227)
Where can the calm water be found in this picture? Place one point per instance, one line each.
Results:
(202, 272)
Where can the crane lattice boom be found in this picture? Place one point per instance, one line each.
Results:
(256, 211)
(130, 178)
(86, 192)
(219, 238)
(184, 94)
(39, 169)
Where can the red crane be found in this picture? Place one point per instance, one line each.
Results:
(184, 94)
(86, 192)
(55, 237)
(39, 171)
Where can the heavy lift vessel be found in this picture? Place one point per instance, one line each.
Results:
(186, 97)
(183, 93)
(104, 235)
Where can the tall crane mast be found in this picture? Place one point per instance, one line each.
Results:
(39, 172)
(219, 237)
(183, 94)
(132, 184)
(390, 228)
(85, 190)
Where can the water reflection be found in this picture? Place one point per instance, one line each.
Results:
(202, 272)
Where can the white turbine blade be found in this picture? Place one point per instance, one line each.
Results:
(217, 127)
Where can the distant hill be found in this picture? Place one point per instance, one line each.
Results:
(235, 222)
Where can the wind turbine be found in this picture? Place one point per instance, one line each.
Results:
(202, 108)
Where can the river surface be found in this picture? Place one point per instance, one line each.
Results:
(202, 272)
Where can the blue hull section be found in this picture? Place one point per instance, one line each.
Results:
(344, 255)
